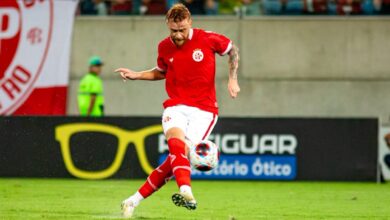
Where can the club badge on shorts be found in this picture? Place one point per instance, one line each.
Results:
(25, 38)
(197, 55)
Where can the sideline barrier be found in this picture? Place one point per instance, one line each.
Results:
(130, 147)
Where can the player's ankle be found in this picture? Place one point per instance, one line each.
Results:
(186, 189)
(135, 199)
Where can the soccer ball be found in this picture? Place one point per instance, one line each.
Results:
(204, 156)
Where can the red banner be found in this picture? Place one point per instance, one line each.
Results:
(35, 40)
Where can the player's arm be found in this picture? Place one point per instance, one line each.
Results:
(152, 74)
(233, 86)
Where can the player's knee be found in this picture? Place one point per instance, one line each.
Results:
(175, 132)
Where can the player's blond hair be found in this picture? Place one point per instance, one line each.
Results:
(178, 12)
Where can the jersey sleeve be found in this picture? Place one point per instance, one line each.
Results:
(219, 43)
(161, 65)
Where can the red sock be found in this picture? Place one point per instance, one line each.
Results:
(157, 178)
(179, 162)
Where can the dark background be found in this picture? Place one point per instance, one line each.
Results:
(338, 149)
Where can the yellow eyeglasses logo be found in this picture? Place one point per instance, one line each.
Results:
(64, 132)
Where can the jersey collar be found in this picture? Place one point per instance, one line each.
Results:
(191, 34)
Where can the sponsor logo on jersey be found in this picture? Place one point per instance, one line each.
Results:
(166, 119)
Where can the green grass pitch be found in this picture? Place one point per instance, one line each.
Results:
(239, 200)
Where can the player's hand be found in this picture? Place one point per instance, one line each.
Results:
(233, 88)
(127, 74)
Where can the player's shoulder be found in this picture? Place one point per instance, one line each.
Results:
(164, 44)
(209, 36)
(164, 41)
(205, 33)
(199, 33)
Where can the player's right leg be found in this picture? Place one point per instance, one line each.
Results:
(184, 199)
(175, 124)
(200, 125)
(181, 169)
(155, 181)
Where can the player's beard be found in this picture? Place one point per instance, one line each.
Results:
(179, 42)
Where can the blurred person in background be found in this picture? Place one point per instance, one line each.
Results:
(153, 7)
(382, 6)
(315, 7)
(211, 7)
(251, 7)
(121, 7)
(170, 3)
(229, 7)
(186, 60)
(349, 7)
(283, 7)
(272, 7)
(292, 7)
(332, 7)
(90, 94)
(196, 7)
(367, 7)
(93, 7)
(87, 7)
(101, 7)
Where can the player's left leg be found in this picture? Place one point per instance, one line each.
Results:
(155, 181)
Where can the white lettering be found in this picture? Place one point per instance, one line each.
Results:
(244, 145)
(258, 168)
(270, 168)
(287, 144)
(268, 144)
(216, 139)
(238, 143)
(228, 139)
(162, 144)
(226, 169)
(286, 170)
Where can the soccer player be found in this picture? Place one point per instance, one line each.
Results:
(186, 60)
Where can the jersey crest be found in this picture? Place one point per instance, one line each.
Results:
(197, 55)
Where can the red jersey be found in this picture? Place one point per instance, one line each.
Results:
(190, 69)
